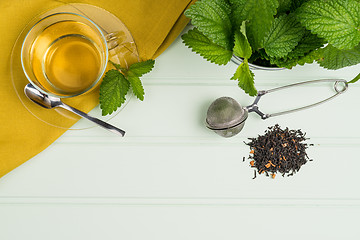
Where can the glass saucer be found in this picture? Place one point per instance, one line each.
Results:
(122, 50)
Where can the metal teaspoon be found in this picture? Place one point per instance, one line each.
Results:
(49, 102)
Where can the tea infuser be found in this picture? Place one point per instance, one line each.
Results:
(227, 117)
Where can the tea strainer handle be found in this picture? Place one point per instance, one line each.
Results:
(254, 107)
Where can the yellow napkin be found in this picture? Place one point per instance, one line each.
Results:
(154, 24)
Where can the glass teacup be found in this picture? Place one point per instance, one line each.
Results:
(64, 54)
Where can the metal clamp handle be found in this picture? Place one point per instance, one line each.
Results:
(254, 107)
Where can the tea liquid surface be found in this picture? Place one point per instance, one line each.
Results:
(65, 58)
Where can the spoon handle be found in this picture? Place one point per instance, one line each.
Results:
(99, 122)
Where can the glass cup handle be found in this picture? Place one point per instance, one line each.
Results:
(254, 107)
(112, 40)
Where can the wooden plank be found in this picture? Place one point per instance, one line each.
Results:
(95, 222)
(177, 172)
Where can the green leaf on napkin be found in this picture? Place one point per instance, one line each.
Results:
(113, 90)
(117, 82)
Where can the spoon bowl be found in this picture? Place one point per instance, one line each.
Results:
(40, 98)
(50, 102)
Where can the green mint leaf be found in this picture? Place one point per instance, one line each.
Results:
(284, 34)
(118, 67)
(133, 74)
(357, 78)
(336, 59)
(116, 84)
(212, 18)
(310, 57)
(260, 58)
(315, 55)
(140, 68)
(307, 51)
(202, 45)
(259, 54)
(308, 43)
(136, 85)
(296, 4)
(260, 14)
(337, 21)
(242, 46)
(113, 90)
(238, 13)
(246, 78)
(284, 62)
(284, 6)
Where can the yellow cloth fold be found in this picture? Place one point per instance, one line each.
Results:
(154, 24)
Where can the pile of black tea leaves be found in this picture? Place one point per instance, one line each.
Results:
(278, 151)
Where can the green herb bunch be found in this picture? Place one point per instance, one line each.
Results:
(278, 33)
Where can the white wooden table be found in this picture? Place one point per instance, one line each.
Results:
(172, 178)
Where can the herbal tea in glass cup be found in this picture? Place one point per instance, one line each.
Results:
(64, 54)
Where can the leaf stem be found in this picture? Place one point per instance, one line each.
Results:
(118, 67)
(355, 79)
